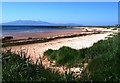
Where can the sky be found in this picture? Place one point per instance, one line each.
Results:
(60, 0)
(84, 13)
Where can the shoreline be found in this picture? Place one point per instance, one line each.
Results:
(38, 37)
(35, 31)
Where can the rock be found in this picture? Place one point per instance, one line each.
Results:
(30, 38)
(7, 38)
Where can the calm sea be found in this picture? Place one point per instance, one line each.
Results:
(8, 30)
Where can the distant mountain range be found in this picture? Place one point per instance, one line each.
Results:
(36, 23)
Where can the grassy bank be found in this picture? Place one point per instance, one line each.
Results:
(103, 59)
(17, 67)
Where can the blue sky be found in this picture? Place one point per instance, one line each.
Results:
(85, 13)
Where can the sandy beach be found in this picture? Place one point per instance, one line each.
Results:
(38, 49)
(35, 50)
(74, 42)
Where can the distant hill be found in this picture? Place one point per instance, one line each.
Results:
(27, 22)
(36, 23)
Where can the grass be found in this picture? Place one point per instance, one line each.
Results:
(63, 56)
(103, 59)
(104, 67)
(18, 67)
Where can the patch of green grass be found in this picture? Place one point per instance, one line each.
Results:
(18, 67)
(63, 55)
(104, 59)
(104, 63)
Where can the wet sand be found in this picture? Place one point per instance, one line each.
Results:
(33, 36)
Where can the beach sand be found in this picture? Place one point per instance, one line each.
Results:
(76, 42)
(38, 49)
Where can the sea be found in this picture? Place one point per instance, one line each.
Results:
(9, 30)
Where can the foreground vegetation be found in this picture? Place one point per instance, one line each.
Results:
(103, 59)
(16, 67)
